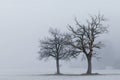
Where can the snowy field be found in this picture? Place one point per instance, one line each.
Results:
(69, 74)
(43, 77)
(100, 77)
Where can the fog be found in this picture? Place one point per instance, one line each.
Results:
(24, 22)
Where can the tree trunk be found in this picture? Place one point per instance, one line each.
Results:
(89, 70)
(57, 66)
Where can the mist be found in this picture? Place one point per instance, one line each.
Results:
(24, 22)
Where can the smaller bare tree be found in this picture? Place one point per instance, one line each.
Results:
(55, 47)
(85, 37)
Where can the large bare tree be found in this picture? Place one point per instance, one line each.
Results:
(55, 47)
(84, 37)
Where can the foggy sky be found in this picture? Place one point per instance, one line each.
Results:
(24, 22)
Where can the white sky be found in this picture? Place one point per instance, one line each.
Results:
(24, 22)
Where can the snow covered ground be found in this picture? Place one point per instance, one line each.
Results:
(100, 77)
(40, 77)
(70, 74)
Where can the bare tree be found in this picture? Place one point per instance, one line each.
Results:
(84, 37)
(55, 47)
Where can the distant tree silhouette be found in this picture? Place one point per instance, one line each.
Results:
(55, 47)
(84, 37)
